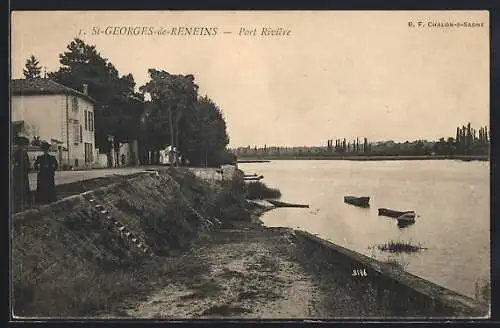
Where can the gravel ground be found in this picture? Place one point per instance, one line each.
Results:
(243, 273)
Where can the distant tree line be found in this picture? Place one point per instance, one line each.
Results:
(467, 142)
(175, 115)
(346, 146)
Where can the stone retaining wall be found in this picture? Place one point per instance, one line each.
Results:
(389, 287)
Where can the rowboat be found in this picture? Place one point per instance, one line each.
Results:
(403, 224)
(395, 214)
(260, 177)
(407, 217)
(277, 203)
(357, 201)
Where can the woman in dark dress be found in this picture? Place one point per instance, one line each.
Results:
(20, 170)
(46, 166)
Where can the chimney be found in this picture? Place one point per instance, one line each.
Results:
(86, 89)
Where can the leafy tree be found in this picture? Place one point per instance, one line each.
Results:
(206, 138)
(172, 98)
(119, 106)
(32, 68)
(450, 145)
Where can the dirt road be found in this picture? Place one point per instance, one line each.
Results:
(241, 273)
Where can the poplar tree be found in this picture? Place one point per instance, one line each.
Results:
(32, 68)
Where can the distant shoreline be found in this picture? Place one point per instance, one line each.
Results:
(253, 161)
(365, 158)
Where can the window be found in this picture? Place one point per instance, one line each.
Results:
(74, 104)
(86, 118)
(91, 121)
(76, 132)
(89, 155)
(81, 133)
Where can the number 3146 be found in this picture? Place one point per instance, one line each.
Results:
(359, 272)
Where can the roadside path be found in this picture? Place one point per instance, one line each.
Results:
(65, 177)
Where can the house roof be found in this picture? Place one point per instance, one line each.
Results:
(43, 86)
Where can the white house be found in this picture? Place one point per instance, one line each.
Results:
(56, 113)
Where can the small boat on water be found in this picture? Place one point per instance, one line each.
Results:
(407, 217)
(256, 178)
(404, 224)
(357, 201)
(395, 214)
(283, 204)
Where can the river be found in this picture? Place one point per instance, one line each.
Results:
(451, 199)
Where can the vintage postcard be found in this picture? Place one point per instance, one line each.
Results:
(306, 165)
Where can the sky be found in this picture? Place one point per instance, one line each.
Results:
(334, 74)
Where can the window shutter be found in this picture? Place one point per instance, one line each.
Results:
(76, 132)
(75, 104)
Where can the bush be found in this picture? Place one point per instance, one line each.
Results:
(224, 157)
(229, 205)
(213, 158)
(259, 190)
(400, 246)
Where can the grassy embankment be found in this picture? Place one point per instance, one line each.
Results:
(69, 263)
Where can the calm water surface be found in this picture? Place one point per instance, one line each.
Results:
(451, 198)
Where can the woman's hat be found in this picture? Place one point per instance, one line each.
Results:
(45, 145)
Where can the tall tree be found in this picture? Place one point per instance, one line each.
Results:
(119, 106)
(172, 98)
(32, 68)
(469, 138)
(206, 136)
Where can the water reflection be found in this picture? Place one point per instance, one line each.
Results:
(404, 224)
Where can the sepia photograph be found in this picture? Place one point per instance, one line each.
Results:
(244, 165)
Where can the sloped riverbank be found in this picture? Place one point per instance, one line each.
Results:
(82, 253)
(171, 244)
